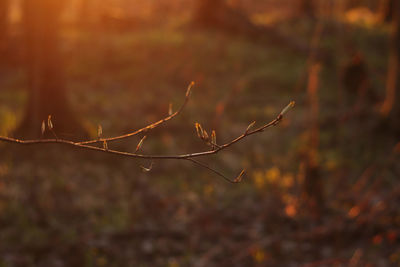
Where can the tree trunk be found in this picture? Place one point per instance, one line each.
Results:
(312, 191)
(85, 18)
(46, 89)
(208, 12)
(387, 10)
(396, 44)
(313, 187)
(391, 105)
(4, 22)
(307, 8)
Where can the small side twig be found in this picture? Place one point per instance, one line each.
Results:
(212, 170)
(146, 128)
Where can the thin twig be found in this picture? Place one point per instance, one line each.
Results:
(144, 129)
(211, 169)
(54, 133)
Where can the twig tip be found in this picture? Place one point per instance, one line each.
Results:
(287, 108)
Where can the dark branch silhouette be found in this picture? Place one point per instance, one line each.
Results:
(215, 148)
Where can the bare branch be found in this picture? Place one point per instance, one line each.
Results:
(189, 156)
(141, 156)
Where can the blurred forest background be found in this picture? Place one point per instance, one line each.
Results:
(321, 189)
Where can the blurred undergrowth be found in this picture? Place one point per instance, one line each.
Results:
(105, 211)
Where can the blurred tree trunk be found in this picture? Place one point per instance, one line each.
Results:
(312, 188)
(356, 3)
(307, 8)
(84, 13)
(208, 12)
(217, 14)
(387, 10)
(46, 89)
(4, 22)
(391, 104)
(355, 81)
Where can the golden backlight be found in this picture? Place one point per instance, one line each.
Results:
(199, 133)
